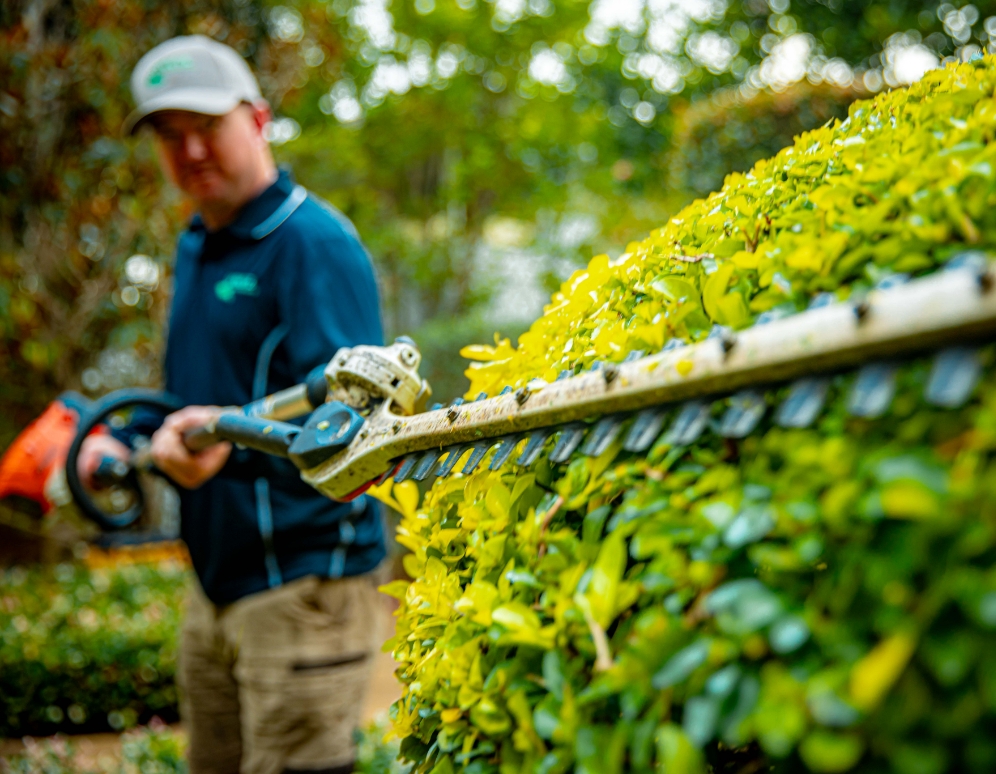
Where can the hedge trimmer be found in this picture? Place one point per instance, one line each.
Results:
(363, 427)
(355, 381)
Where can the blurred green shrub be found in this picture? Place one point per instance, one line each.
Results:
(728, 133)
(88, 648)
(155, 749)
(374, 754)
(93, 648)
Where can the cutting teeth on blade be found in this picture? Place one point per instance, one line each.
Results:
(477, 452)
(803, 403)
(453, 455)
(688, 424)
(645, 429)
(602, 434)
(822, 299)
(725, 335)
(389, 473)
(746, 409)
(767, 317)
(796, 361)
(970, 259)
(872, 391)
(406, 469)
(953, 377)
(892, 281)
(426, 464)
(568, 440)
(504, 451)
(534, 446)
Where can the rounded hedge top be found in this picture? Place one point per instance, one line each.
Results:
(817, 599)
(905, 181)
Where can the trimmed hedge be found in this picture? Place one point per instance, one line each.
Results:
(88, 648)
(819, 599)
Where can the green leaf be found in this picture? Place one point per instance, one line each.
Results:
(829, 753)
(675, 752)
(603, 589)
(714, 290)
(681, 665)
(497, 501)
(488, 716)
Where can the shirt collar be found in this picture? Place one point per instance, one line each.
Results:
(255, 212)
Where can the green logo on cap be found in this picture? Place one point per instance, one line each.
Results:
(233, 284)
(168, 65)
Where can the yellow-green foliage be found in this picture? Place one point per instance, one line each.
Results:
(824, 598)
(906, 180)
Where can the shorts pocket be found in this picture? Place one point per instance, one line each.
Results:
(345, 659)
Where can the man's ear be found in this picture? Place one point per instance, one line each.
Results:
(262, 115)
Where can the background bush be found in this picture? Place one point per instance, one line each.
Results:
(92, 647)
(85, 648)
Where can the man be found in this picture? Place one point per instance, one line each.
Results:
(269, 283)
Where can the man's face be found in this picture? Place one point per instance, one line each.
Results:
(213, 159)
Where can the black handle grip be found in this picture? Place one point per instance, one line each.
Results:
(199, 438)
(265, 435)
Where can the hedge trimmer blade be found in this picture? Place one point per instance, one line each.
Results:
(670, 392)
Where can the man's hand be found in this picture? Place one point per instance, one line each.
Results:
(95, 447)
(189, 469)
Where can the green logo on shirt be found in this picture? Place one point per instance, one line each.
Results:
(234, 284)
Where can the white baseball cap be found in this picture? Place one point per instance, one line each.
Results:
(191, 73)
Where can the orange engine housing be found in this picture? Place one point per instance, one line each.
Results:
(28, 464)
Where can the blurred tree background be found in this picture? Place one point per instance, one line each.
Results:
(484, 148)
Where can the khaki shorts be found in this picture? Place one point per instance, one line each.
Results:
(276, 680)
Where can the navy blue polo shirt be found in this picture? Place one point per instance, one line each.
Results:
(256, 306)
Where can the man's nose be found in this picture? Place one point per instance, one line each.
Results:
(194, 146)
